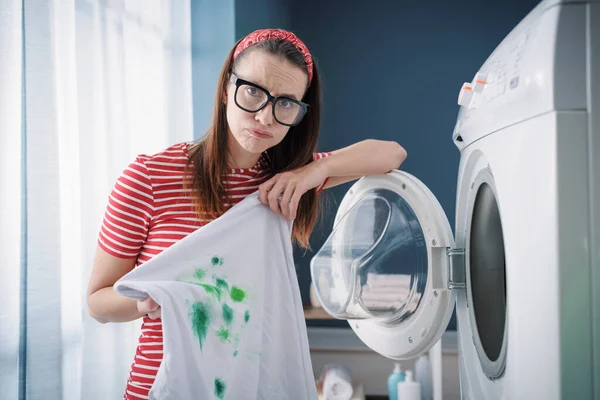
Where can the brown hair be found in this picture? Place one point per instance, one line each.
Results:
(208, 160)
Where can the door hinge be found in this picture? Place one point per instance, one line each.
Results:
(456, 269)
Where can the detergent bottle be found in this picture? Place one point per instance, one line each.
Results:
(395, 377)
(409, 389)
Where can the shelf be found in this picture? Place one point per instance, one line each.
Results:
(315, 313)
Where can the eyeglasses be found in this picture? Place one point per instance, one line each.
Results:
(253, 98)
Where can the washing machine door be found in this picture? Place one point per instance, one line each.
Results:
(389, 266)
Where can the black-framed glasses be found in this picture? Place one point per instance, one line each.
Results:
(253, 98)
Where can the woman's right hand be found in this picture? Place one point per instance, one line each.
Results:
(149, 306)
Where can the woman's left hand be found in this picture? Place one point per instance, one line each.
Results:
(282, 192)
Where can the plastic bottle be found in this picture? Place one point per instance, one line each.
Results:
(409, 389)
(423, 376)
(395, 377)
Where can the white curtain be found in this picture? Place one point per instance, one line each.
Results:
(11, 189)
(85, 86)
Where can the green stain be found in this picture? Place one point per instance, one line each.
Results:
(200, 318)
(220, 388)
(247, 316)
(227, 314)
(223, 334)
(235, 353)
(222, 284)
(237, 294)
(210, 289)
(216, 261)
(200, 273)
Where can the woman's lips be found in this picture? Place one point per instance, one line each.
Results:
(260, 134)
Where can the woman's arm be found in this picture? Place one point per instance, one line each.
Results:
(369, 157)
(104, 304)
(122, 236)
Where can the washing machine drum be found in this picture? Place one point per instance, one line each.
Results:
(385, 267)
(374, 264)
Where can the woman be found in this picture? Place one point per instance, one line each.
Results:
(263, 137)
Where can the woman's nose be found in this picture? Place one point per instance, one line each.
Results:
(265, 116)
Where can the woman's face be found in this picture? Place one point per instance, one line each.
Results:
(259, 131)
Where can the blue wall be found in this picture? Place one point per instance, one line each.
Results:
(391, 70)
(259, 14)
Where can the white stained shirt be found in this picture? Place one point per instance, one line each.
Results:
(233, 323)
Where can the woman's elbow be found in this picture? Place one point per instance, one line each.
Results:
(403, 154)
(96, 317)
(92, 309)
(397, 155)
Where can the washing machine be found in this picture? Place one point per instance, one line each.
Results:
(522, 269)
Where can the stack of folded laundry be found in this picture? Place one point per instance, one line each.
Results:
(388, 292)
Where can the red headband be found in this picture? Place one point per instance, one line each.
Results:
(265, 34)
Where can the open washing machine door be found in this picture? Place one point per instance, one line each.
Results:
(389, 265)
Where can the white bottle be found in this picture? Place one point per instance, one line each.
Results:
(409, 389)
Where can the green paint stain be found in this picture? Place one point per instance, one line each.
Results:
(237, 294)
(200, 318)
(235, 353)
(222, 284)
(223, 334)
(210, 289)
(200, 273)
(216, 261)
(247, 316)
(220, 388)
(227, 314)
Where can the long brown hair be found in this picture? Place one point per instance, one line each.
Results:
(208, 159)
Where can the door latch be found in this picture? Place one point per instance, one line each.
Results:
(457, 278)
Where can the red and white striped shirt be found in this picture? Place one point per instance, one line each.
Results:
(148, 211)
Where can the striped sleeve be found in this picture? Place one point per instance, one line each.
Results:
(318, 156)
(128, 213)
